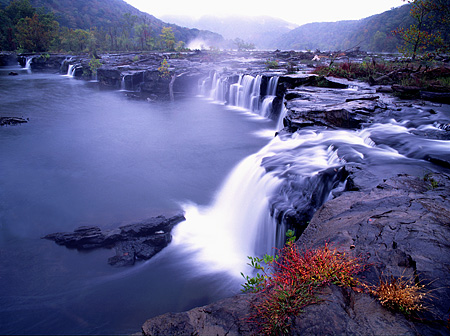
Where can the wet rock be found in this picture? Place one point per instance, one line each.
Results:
(109, 77)
(293, 81)
(350, 114)
(42, 62)
(138, 241)
(7, 58)
(401, 225)
(12, 121)
(226, 317)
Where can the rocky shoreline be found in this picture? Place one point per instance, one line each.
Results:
(397, 215)
(401, 223)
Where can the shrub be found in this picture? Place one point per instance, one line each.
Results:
(294, 283)
(164, 69)
(272, 64)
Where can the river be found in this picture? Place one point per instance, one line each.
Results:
(92, 157)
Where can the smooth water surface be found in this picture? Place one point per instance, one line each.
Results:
(92, 157)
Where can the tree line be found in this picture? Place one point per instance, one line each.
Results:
(25, 28)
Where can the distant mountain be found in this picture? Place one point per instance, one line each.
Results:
(371, 34)
(106, 14)
(261, 30)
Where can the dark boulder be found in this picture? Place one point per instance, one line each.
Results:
(109, 77)
(138, 241)
(7, 58)
(12, 121)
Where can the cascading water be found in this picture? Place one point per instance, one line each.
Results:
(122, 83)
(218, 91)
(267, 104)
(290, 178)
(71, 70)
(282, 115)
(28, 63)
(244, 94)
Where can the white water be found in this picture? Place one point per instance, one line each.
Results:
(122, 83)
(28, 63)
(244, 95)
(71, 70)
(238, 223)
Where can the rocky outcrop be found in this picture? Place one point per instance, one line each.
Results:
(329, 104)
(138, 241)
(8, 58)
(12, 121)
(401, 225)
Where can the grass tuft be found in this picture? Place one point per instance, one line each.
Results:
(400, 294)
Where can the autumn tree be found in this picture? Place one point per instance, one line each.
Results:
(429, 32)
(36, 33)
(167, 39)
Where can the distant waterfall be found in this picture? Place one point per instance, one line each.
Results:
(122, 83)
(244, 94)
(71, 70)
(28, 62)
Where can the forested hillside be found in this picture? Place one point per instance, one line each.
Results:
(83, 25)
(371, 34)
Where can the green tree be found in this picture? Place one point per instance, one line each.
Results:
(36, 33)
(167, 39)
(242, 45)
(9, 17)
(144, 36)
(425, 34)
(19, 9)
(127, 24)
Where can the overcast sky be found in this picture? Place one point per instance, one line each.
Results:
(294, 11)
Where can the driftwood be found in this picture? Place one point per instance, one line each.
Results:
(440, 97)
(389, 77)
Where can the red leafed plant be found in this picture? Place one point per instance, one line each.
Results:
(294, 282)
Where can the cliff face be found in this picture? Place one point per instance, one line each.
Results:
(401, 224)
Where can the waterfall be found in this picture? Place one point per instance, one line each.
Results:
(272, 86)
(122, 83)
(238, 222)
(247, 216)
(218, 90)
(283, 113)
(266, 106)
(244, 94)
(271, 91)
(71, 70)
(28, 63)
